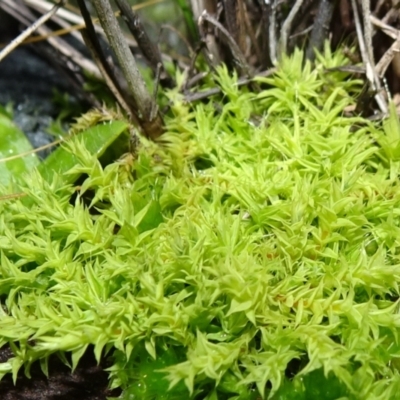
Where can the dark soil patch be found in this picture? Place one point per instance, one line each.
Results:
(89, 381)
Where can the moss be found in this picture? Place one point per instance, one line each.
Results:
(253, 252)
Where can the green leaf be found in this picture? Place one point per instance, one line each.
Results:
(151, 383)
(389, 139)
(152, 216)
(96, 140)
(12, 143)
(77, 355)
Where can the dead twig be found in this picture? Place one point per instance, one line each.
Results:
(385, 28)
(250, 31)
(45, 6)
(33, 151)
(387, 58)
(372, 77)
(28, 31)
(320, 28)
(93, 44)
(191, 97)
(237, 54)
(366, 12)
(231, 22)
(286, 26)
(58, 18)
(25, 16)
(194, 80)
(301, 33)
(272, 33)
(152, 127)
(390, 53)
(149, 50)
(191, 68)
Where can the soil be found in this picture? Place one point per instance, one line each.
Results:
(88, 382)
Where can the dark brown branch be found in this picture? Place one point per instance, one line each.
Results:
(147, 108)
(108, 76)
(237, 54)
(93, 44)
(230, 7)
(149, 50)
(321, 27)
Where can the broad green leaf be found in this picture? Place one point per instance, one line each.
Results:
(12, 143)
(152, 217)
(151, 383)
(96, 140)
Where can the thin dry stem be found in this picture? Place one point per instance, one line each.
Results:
(387, 58)
(44, 5)
(237, 54)
(109, 81)
(385, 28)
(272, 33)
(25, 16)
(28, 153)
(286, 26)
(366, 11)
(191, 97)
(28, 31)
(370, 71)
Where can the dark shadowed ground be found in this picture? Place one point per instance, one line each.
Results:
(28, 82)
(88, 382)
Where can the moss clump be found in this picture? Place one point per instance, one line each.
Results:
(253, 253)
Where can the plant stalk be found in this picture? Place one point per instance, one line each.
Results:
(151, 121)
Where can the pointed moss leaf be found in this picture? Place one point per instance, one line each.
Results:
(17, 363)
(96, 140)
(101, 342)
(212, 396)
(391, 125)
(95, 285)
(152, 217)
(44, 366)
(77, 355)
(138, 201)
(389, 139)
(149, 345)
(238, 306)
(129, 232)
(5, 368)
(231, 384)
(12, 143)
